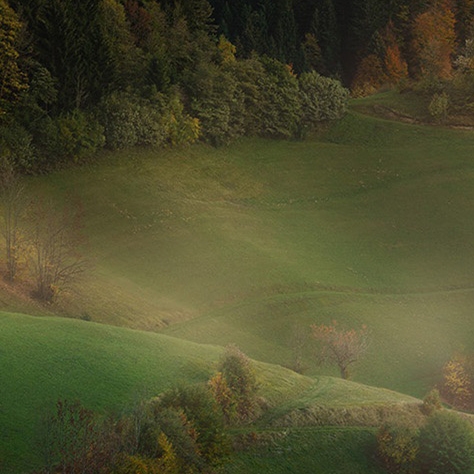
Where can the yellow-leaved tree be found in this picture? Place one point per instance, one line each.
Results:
(12, 79)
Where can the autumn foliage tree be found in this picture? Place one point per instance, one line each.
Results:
(397, 448)
(235, 387)
(370, 76)
(457, 386)
(12, 79)
(396, 67)
(434, 40)
(342, 347)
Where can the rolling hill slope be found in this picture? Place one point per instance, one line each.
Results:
(370, 223)
(108, 369)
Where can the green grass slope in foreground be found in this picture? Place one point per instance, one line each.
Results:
(371, 224)
(107, 368)
(308, 450)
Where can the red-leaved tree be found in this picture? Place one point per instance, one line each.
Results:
(342, 347)
(434, 40)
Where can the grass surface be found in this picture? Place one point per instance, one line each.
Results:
(328, 450)
(371, 224)
(109, 369)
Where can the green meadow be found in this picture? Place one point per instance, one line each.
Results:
(367, 222)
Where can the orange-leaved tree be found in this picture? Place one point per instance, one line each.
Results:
(339, 346)
(396, 67)
(434, 40)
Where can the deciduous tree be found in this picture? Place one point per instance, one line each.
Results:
(397, 448)
(55, 240)
(235, 388)
(434, 40)
(12, 79)
(457, 385)
(14, 203)
(342, 347)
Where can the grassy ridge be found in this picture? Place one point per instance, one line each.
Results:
(108, 368)
(44, 359)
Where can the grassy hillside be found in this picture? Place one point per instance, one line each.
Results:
(328, 450)
(370, 224)
(109, 368)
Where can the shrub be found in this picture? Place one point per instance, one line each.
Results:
(235, 387)
(180, 128)
(322, 98)
(130, 120)
(397, 448)
(204, 414)
(446, 444)
(438, 107)
(431, 402)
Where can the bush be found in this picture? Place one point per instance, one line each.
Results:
(235, 387)
(397, 448)
(438, 107)
(446, 445)
(431, 402)
(130, 120)
(180, 128)
(322, 98)
(203, 412)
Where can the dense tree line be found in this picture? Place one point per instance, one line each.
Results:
(80, 76)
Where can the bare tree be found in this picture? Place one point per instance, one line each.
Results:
(342, 347)
(55, 240)
(14, 207)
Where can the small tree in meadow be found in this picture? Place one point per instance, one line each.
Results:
(342, 347)
(457, 386)
(235, 387)
(438, 107)
(55, 239)
(431, 402)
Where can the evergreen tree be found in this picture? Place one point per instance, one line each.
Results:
(71, 46)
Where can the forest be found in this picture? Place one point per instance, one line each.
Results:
(78, 77)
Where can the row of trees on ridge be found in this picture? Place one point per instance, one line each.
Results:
(77, 77)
